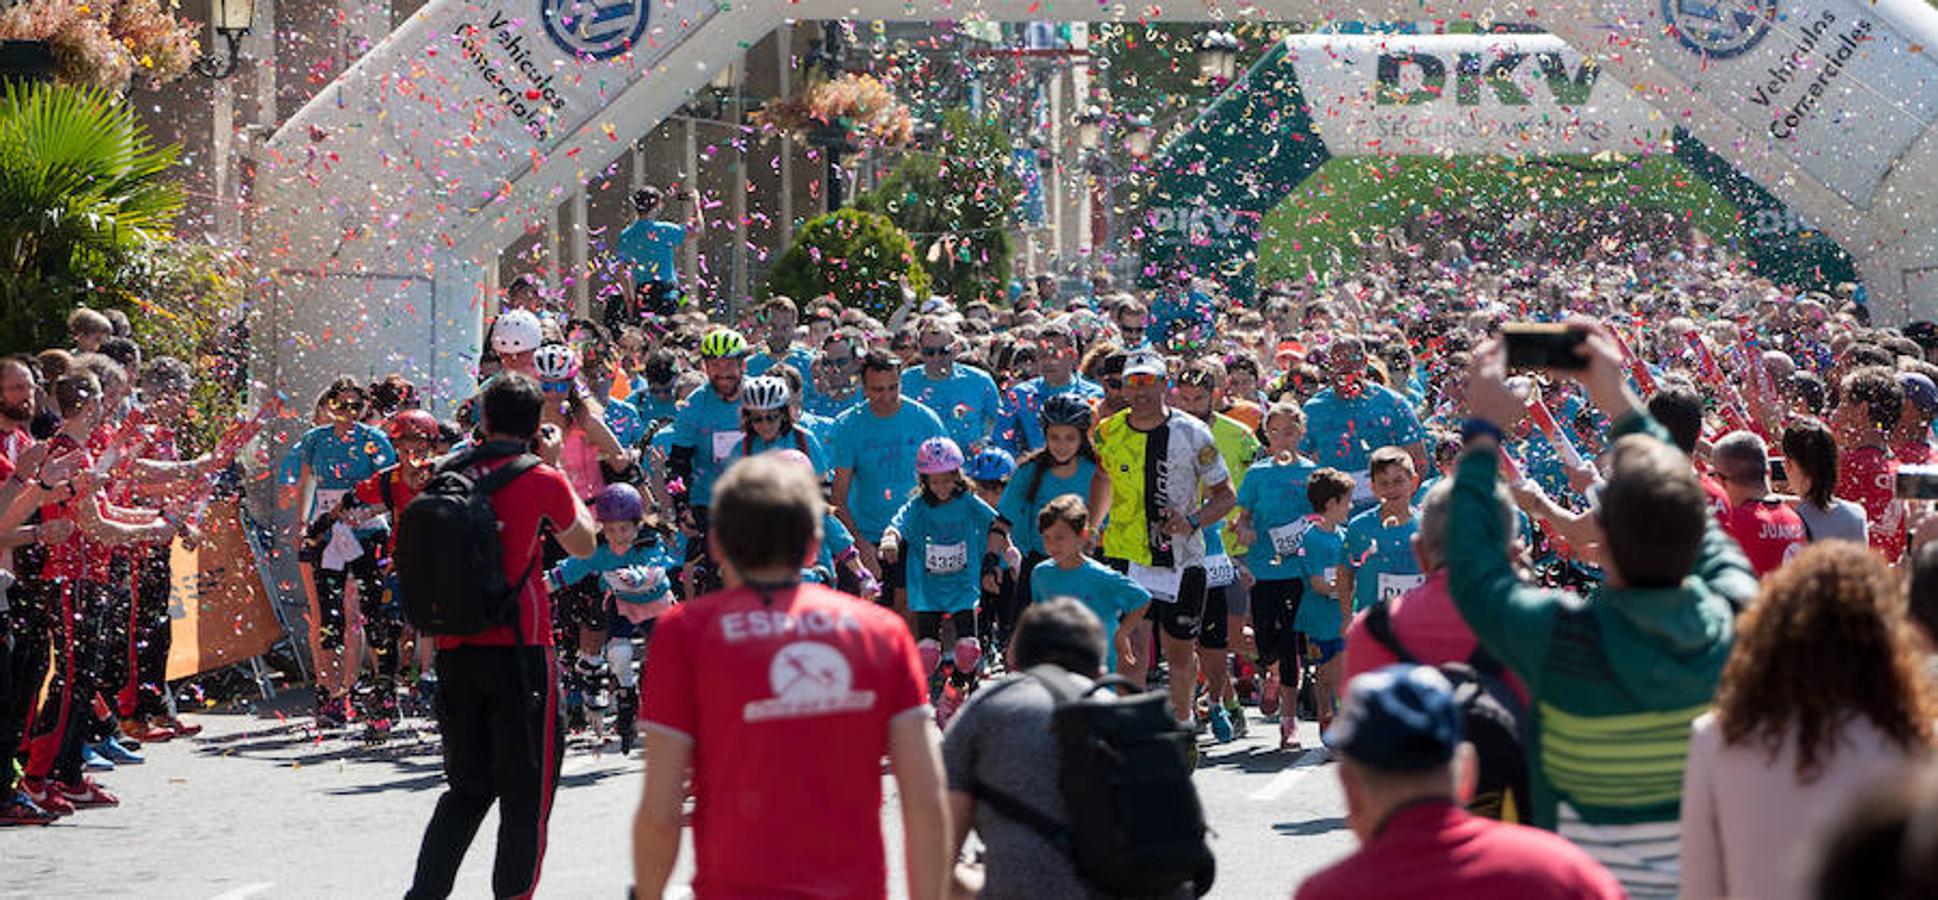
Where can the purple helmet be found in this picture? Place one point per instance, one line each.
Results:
(618, 503)
(937, 455)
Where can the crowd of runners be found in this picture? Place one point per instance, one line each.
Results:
(1675, 588)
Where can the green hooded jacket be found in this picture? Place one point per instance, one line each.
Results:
(1615, 678)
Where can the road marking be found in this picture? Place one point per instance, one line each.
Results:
(1285, 779)
(245, 891)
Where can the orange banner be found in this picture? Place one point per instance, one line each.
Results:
(219, 613)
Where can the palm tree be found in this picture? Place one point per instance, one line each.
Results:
(85, 200)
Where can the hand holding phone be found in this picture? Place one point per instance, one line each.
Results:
(1543, 345)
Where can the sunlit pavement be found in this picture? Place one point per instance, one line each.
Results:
(261, 806)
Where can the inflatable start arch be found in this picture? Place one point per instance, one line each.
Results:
(380, 203)
(1311, 98)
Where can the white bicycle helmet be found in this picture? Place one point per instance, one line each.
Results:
(764, 392)
(556, 362)
(515, 332)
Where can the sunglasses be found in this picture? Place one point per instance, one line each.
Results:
(1115, 384)
(557, 387)
(933, 352)
(762, 417)
(1142, 379)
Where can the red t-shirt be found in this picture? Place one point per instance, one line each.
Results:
(1712, 491)
(1768, 530)
(388, 490)
(788, 705)
(1869, 476)
(1435, 849)
(540, 495)
(1912, 453)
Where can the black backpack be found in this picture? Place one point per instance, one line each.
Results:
(1491, 718)
(449, 559)
(1135, 825)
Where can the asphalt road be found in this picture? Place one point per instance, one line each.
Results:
(260, 805)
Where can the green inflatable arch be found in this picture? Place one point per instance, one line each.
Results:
(1213, 184)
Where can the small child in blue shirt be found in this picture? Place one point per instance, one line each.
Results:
(944, 529)
(615, 595)
(1117, 599)
(1324, 610)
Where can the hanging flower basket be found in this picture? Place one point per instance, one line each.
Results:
(105, 42)
(845, 114)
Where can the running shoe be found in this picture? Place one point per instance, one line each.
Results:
(330, 714)
(1240, 723)
(87, 795)
(121, 755)
(1220, 723)
(1289, 733)
(946, 705)
(148, 731)
(93, 760)
(1268, 695)
(179, 727)
(41, 793)
(22, 810)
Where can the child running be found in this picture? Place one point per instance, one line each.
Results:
(1323, 558)
(938, 527)
(628, 577)
(1118, 601)
(1273, 516)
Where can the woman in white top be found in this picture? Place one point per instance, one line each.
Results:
(1825, 691)
(1810, 462)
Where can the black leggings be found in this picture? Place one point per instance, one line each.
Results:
(330, 585)
(503, 727)
(1275, 609)
(145, 693)
(54, 743)
(928, 625)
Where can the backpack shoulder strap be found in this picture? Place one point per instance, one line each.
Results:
(503, 475)
(1051, 831)
(1379, 625)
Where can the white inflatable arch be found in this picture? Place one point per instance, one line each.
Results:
(382, 201)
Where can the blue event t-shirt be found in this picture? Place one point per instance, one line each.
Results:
(798, 358)
(829, 407)
(652, 409)
(1318, 617)
(1020, 510)
(1381, 556)
(967, 401)
(1275, 494)
(648, 246)
(572, 570)
(798, 439)
(1108, 593)
(626, 423)
(1343, 433)
(1021, 429)
(944, 544)
(880, 455)
(338, 463)
(711, 426)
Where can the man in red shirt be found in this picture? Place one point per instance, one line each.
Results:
(499, 710)
(1911, 438)
(781, 698)
(1869, 403)
(1767, 529)
(1405, 772)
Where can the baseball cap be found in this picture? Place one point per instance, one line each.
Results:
(1402, 718)
(1920, 390)
(1144, 362)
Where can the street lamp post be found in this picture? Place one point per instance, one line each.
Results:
(231, 19)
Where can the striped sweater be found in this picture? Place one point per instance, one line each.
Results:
(1615, 678)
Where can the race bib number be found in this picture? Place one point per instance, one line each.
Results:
(724, 443)
(1219, 571)
(1289, 540)
(945, 559)
(1362, 485)
(1162, 583)
(1391, 586)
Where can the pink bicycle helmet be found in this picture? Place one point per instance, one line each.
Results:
(938, 455)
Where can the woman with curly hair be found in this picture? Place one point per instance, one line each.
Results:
(1825, 691)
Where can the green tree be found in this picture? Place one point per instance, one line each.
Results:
(86, 207)
(955, 202)
(858, 256)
